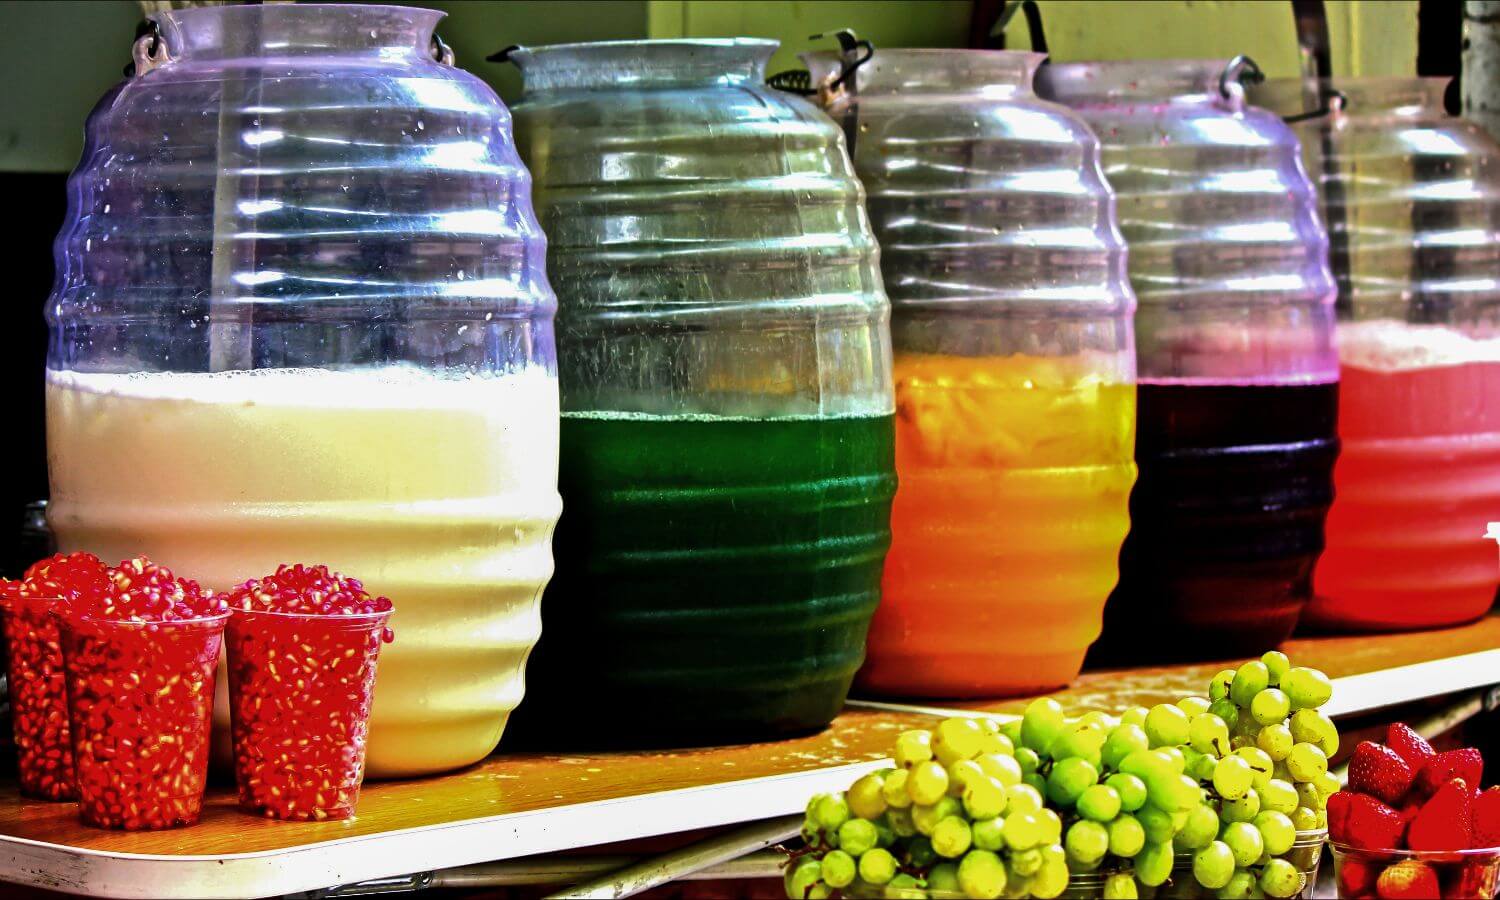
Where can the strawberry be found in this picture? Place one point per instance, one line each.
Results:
(1408, 879)
(1378, 770)
(1465, 763)
(1409, 745)
(1338, 807)
(1356, 877)
(1487, 818)
(1372, 825)
(1445, 821)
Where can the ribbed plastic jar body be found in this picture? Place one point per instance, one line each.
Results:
(727, 416)
(1412, 200)
(1238, 378)
(1014, 371)
(301, 315)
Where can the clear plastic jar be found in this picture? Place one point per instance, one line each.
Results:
(1014, 370)
(301, 316)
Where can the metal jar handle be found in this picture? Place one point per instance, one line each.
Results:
(1232, 80)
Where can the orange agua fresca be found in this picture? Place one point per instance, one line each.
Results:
(1014, 484)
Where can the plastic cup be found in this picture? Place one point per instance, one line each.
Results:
(1305, 854)
(300, 689)
(140, 699)
(38, 698)
(1459, 873)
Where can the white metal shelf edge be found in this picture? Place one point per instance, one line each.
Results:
(267, 873)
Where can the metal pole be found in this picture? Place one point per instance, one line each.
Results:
(1481, 64)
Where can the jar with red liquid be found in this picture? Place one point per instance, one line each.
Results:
(1237, 372)
(300, 689)
(140, 698)
(1412, 199)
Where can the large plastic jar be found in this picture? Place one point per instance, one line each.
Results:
(1412, 200)
(1238, 377)
(724, 356)
(1014, 370)
(301, 316)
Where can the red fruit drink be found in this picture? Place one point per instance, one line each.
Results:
(1419, 415)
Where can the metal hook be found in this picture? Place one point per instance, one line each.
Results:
(1232, 80)
(502, 56)
(148, 51)
(1333, 103)
(849, 43)
(441, 51)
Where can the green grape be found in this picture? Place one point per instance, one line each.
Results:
(1041, 723)
(1276, 831)
(1028, 760)
(1166, 726)
(1249, 679)
(1050, 880)
(858, 835)
(1099, 802)
(1052, 826)
(1225, 709)
(928, 782)
(900, 822)
(988, 834)
(1261, 765)
(1011, 728)
(981, 875)
(926, 817)
(1069, 779)
(904, 887)
(919, 852)
(1282, 773)
(1037, 781)
(1153, 865)
(801, 878)
(1270, 707)
(1027, 862)
(1023, 831)
(957, 739)
(1305, 819)
(1208, 734)
(1173, 757)
(984, 798)
(1135, 715)
(1241, 810)
(1309, 796)
(1280, 878)
(1126, 836)
(1005, 769)
(1204, 767)
(943, 877)
(1145, 764)
(1311, 726)
(1244, 841)
(1278, 796)
(995, 742)
(1306, 688)
(1277, 665)
(1201, 827)
(1327, 783)
(1131, 788)
(838, 869)
(1157, 824)
(1023, 798)
(885, 836)
(1244, 725)
(866, 796)
(1123, 741)
(1080, 739)
(830, 811)
(959, 774)
(896, 789)
(1275, 741)
(1306, 762)
(1086, 842)
(877, 866)
(1193, 706)
(1241, 886)
(1218, 687)
(951, 837)
(1213, 866)
(1233, 777)
(913, 747)
(1120, 886)
(1178, 793)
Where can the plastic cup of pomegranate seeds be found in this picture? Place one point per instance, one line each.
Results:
(38, 699)
(303, 644)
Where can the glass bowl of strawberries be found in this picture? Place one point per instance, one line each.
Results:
(1414, 823)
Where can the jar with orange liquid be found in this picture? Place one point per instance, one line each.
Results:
(1014, 370)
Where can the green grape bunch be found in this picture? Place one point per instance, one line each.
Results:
(1213, 788)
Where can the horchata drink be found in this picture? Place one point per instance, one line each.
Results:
(440, 490)
(1418, 479)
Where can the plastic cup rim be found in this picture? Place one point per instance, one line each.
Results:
(372, 617)
(1351, 850)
